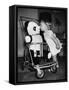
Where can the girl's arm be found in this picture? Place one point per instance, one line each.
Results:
(53, 37)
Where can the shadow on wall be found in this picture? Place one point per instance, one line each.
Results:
(21, 35)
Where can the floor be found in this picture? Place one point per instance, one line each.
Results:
(27, 75)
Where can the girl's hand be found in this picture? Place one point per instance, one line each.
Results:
(58, 46)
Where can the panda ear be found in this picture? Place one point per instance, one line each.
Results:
(26, 25)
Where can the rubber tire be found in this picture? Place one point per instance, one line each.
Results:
(40, 77)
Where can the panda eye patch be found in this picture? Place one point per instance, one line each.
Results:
(34, 28)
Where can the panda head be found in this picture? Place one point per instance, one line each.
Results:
(33, 28)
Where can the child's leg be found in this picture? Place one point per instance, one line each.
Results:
(55, 59)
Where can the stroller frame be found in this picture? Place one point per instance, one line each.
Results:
(40, 68)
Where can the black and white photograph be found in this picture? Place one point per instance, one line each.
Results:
(41, 44)
(34, 45)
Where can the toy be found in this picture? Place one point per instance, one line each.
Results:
(34, 43)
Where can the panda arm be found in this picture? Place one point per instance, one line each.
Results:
(28, 39)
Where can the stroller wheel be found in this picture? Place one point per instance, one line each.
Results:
(40, 75)
(54, 69)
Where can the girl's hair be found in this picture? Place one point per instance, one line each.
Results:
(45, 16)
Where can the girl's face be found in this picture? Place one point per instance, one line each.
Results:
(44, 26)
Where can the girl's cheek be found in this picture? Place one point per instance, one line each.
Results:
(40, 26)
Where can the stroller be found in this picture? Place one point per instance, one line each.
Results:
(35, 58)
(41, 63)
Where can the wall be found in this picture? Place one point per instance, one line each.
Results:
(31, 13)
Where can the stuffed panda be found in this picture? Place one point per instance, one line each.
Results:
(33, 38)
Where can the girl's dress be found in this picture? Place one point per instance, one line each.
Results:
(52, 46)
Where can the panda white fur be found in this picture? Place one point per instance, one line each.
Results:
(34, 38)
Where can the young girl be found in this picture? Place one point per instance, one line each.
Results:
(51, 39)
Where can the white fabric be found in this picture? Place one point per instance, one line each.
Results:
(27, 39)
(30, 27)
(36, 39)
(35, 44)
(50, 42)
